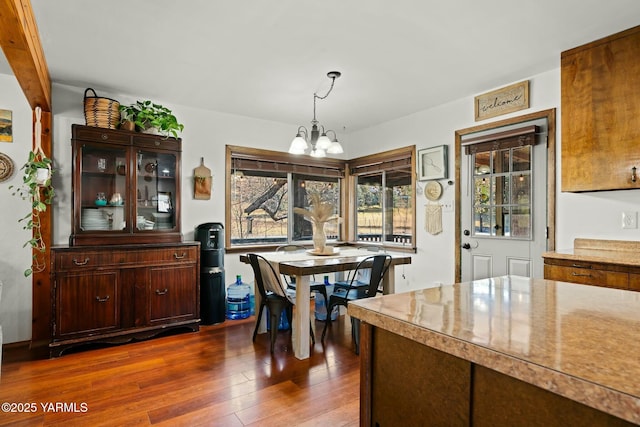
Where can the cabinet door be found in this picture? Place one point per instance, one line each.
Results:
(156, 191)
(101, 189)
(173, 294)
(87, 303)
(601, 114)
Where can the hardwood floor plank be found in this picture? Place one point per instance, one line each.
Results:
(217, 376)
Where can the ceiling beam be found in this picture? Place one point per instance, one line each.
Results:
(20, 42)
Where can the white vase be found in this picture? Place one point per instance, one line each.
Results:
(42, 175)
(319, 237)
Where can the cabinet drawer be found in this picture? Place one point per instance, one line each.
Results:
(102, 135)
(157, 142)
(587, 276)
(85, 259)
(173, 254)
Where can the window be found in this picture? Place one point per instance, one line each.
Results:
(502, 177)
(264, 187)
(384, 197)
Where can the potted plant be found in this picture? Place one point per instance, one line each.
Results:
(36, 187)
(148, 116)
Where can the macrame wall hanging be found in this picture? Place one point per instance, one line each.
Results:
(433, 218)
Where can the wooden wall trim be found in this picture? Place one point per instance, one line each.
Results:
(550, 115)
(20, 42)
(21, 45)
(41, 315)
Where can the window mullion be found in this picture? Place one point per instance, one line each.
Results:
(290, 222)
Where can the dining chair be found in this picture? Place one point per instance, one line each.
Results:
(291, 281)
(379, 265)
(361, 279)
(273, 295)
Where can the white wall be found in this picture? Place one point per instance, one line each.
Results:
(595, 215)
(15, 305)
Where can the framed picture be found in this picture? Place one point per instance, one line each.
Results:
(6, 131)
(433, 163)
(164, 202)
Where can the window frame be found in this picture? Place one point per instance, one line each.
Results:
(283, 162)
(382, 163)
(309, 165)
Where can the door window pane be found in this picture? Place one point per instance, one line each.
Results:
(502, 193)
(521, 222)
(500, 161)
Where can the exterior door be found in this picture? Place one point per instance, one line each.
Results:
(503, 201)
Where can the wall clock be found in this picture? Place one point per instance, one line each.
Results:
(6, 167)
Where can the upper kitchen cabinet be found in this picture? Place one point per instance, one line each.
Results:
(601, 114)
(126, 187)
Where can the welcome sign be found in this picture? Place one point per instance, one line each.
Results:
(502, 101)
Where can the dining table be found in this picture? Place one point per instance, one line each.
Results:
(303, 265)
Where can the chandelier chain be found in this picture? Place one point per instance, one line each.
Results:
(316, 96)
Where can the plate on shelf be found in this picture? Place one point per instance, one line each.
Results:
(327, 251)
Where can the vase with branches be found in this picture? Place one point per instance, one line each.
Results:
(319, 213)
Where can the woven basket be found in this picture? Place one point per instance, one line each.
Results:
(101, 112)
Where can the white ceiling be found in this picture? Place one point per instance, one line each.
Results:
(265, 58)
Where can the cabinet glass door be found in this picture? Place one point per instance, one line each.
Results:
(103, 188)
(156, 191)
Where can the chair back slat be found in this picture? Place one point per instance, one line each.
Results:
(257, 275)
(379, 268)
(266, 277)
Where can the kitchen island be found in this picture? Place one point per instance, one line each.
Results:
(501, 351)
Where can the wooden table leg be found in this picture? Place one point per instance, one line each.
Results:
(300, 332)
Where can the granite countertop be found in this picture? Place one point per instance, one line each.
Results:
(605, 251)
(581, 342)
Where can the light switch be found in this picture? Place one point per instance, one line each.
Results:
(629, 219)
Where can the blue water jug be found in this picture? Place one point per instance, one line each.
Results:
(321, 304)
(238, 300)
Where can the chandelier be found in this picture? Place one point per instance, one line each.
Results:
(317, 140)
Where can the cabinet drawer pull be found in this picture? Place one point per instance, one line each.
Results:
(105, 299)
(162, 291)
(176, 256)
(581, 275)
(581, 266)
(76, 262)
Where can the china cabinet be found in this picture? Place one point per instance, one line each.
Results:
(125, 187)
(126, 273)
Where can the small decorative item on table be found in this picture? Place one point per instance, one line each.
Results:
(319, 214)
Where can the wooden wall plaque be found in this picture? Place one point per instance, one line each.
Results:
(502, 101)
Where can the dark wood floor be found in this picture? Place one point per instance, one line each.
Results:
(215, 377)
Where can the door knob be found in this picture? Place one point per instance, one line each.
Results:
(466, 246)
(466, 232)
